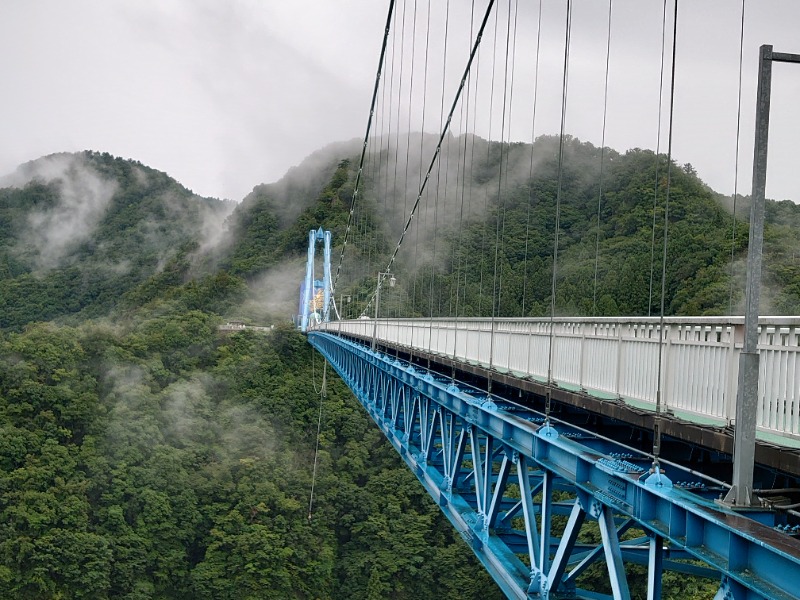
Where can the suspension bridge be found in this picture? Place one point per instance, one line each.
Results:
(678, 437)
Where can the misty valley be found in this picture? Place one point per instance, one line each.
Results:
(147, 454)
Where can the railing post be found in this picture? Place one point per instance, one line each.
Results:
(554, 361)
(508, 346)
(793, 396)
(582, 364)
(529, 336)
(619, 361)
(668, 375)
(735, 342)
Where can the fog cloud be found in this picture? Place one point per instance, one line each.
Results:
(275, 294)
(83, 197)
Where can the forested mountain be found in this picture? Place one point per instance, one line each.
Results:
(483, 243)
(619, 236)
(145, 454)
(78, 231)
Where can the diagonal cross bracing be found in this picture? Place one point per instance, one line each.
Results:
(460, 443)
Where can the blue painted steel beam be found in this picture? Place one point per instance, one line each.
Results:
(461, 444)
(308, 283)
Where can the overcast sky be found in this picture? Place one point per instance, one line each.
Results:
(224, 95)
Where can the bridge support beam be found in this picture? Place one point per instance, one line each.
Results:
(655, 564)
(616, 570)
(510, 525)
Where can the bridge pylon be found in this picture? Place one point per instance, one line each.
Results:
(315, 294)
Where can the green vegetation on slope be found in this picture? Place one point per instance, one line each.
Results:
(82, 229)
(259, 237)
(162, 460)
(503, 259)
(144, 455)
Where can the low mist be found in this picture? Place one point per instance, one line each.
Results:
(84, 195)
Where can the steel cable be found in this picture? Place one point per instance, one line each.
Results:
(657, 158)
(564, 89)
(366, 140)
(602, 163)
(533, 145)
(442, 136)
(736, 163)
(657, 420)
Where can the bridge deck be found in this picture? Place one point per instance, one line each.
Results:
(494, 468)
(452, 345)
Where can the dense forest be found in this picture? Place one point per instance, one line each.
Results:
(498, 259)
(146, 454)
(161, 460)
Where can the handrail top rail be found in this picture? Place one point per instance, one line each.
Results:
(706, 320)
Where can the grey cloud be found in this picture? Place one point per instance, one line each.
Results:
(226, 95)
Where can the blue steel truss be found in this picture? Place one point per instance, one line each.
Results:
(501, 474)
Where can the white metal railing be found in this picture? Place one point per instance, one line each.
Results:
(619, 357)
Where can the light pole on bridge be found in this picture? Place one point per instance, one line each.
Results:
(744, 441)
(392, 281)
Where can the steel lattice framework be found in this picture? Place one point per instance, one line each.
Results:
(519, 490)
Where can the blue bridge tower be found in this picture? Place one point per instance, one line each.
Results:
(315, 294)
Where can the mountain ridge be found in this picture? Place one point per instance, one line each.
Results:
(146, 454)
(83, 233)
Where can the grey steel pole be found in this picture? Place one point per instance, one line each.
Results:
(744, 442)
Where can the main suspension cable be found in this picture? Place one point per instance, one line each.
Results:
(442, 136)
(366, 140)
